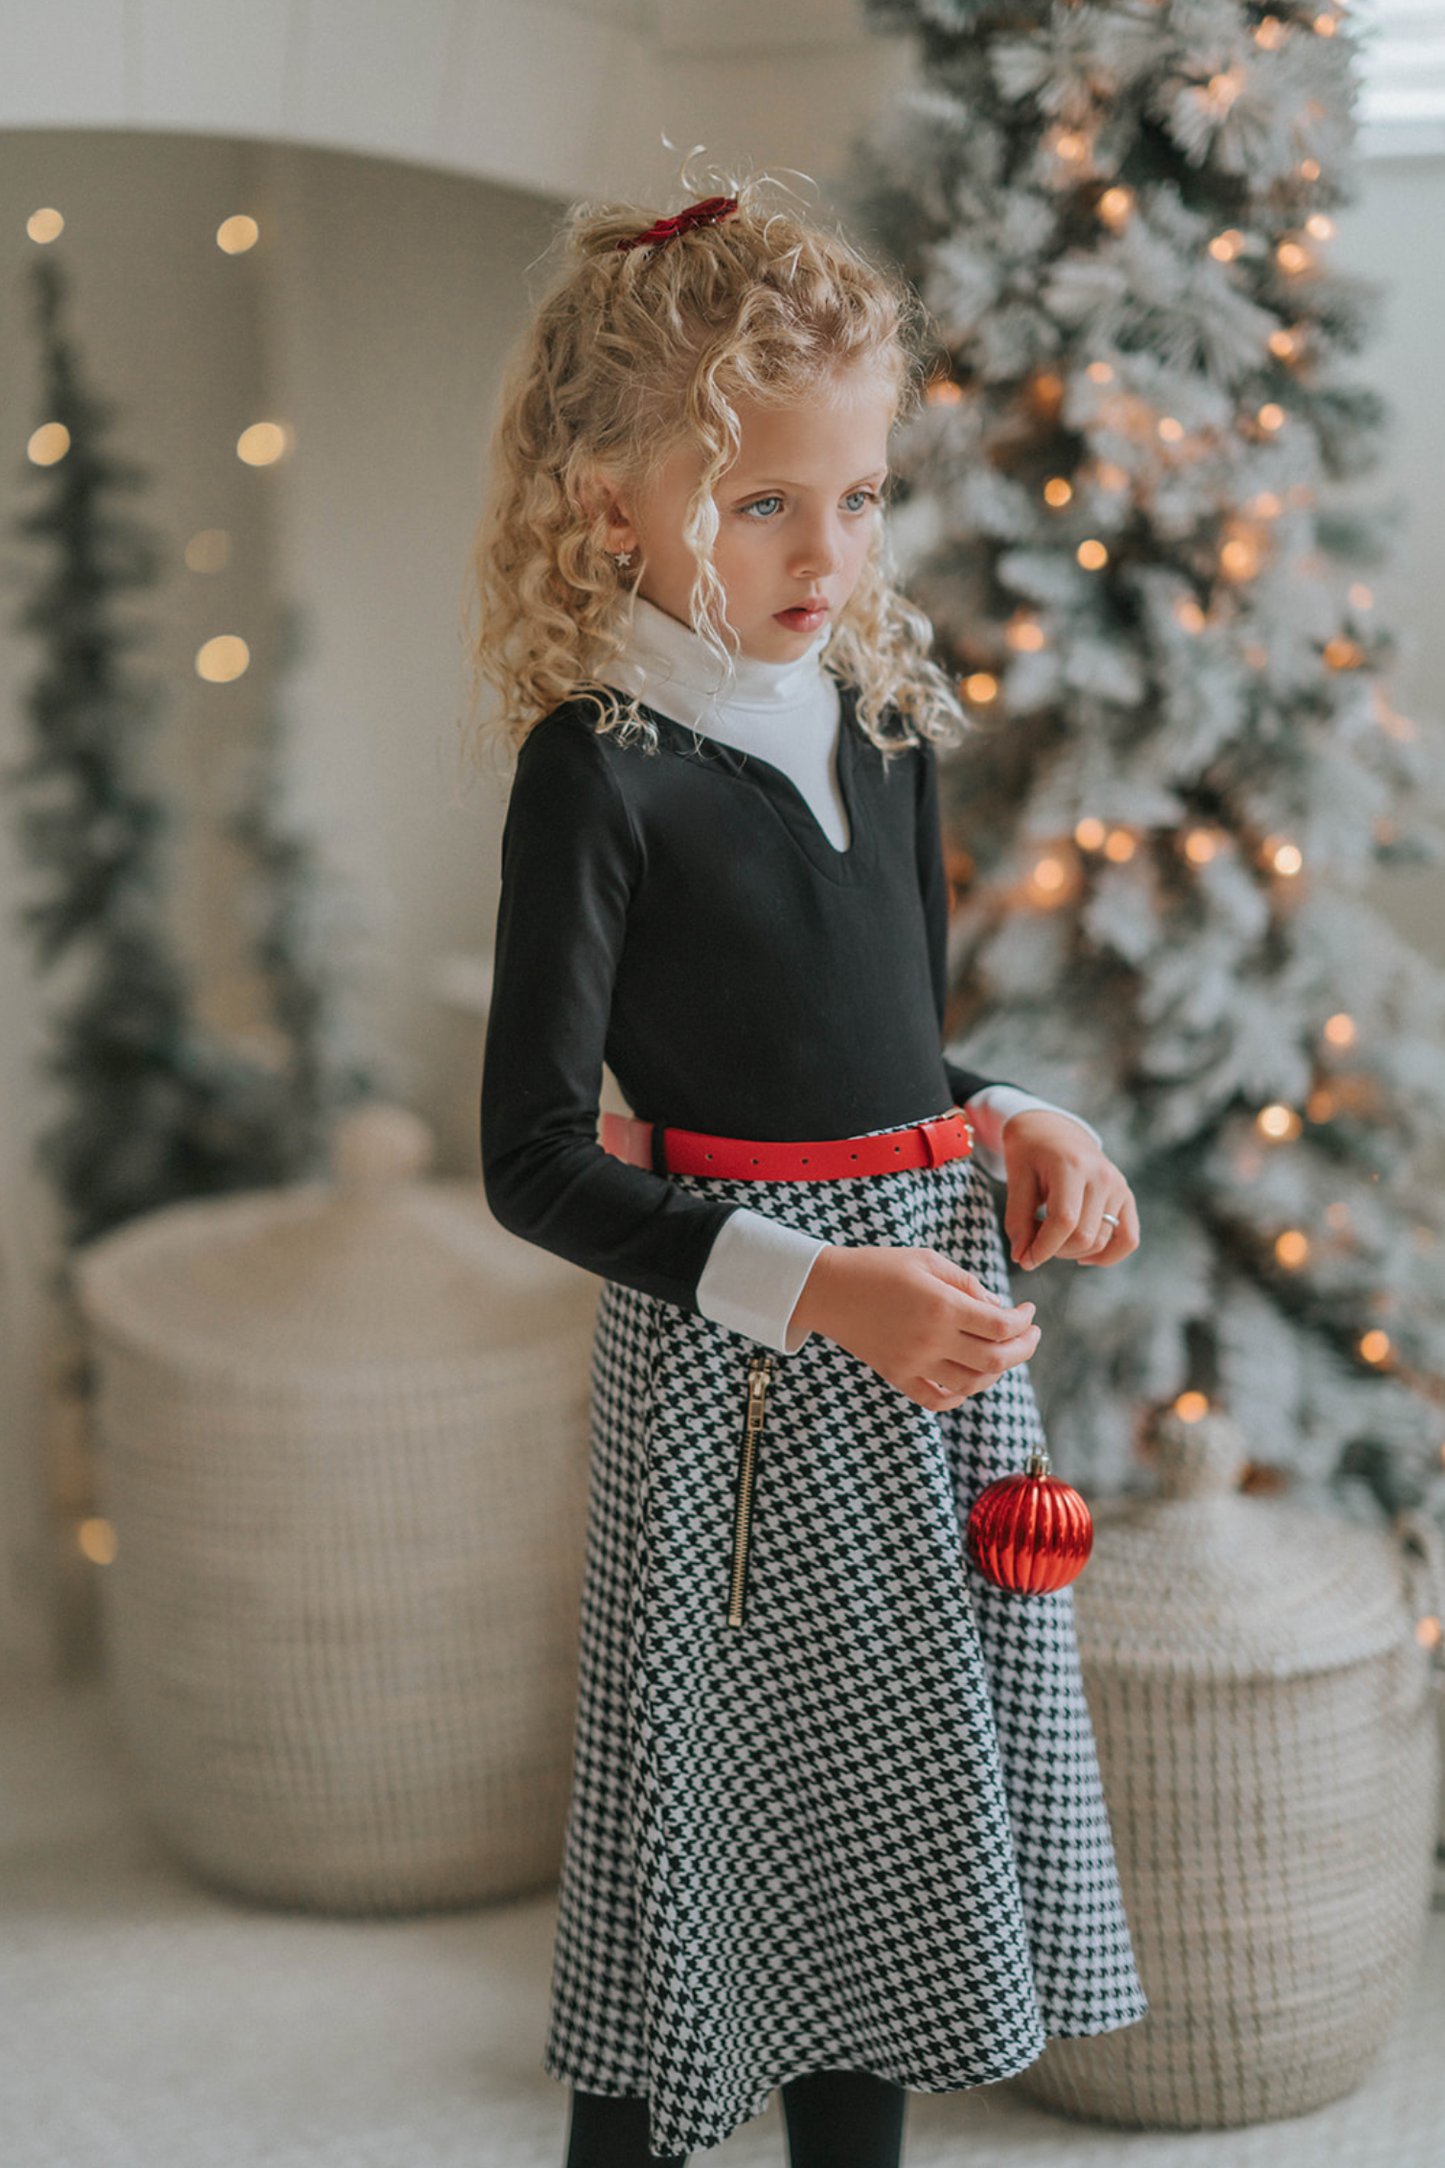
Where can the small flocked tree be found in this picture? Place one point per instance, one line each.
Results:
(1121, 509)
(152, 1109)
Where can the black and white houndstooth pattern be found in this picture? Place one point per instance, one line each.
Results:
(865, 1830)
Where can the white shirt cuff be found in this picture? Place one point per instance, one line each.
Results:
(753, 1277)
(990, 1112)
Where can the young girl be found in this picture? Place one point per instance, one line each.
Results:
(836, 1823)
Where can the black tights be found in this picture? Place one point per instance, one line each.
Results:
(835, 2119)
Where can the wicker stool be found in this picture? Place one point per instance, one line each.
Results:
(1268, 1748)
(343, 1446)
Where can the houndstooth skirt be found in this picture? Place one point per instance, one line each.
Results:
(864, 1830)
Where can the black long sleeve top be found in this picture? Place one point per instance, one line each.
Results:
(680, 914)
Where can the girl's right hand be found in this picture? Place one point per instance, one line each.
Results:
(931, 1330)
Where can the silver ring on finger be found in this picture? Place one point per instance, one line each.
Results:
(1110, 1219)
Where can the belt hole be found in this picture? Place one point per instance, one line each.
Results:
(755, 1162)
(853, 1155)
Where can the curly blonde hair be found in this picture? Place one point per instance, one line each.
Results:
(634, 352)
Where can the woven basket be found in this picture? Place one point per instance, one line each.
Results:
(1269, 1756)
(343, 1446)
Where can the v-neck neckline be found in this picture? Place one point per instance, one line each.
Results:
(783, 795)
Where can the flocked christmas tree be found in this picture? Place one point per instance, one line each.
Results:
(1121, 507)
(152, 1108)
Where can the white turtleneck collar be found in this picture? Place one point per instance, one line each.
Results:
(785, 713)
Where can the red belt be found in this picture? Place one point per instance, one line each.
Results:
(687, 1151)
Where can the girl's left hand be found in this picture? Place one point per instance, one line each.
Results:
(1054, 1162)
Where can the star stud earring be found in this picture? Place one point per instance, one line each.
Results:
(621, 558)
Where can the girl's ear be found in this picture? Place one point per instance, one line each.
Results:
(602, 498)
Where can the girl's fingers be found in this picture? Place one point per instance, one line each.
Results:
(1051, 1234)
(1020, 1214)
(1118, 1242)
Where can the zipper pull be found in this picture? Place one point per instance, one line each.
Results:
(760, 1371)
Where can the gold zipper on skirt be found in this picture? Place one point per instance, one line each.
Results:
(760, 1370)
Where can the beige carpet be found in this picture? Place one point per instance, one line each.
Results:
(145, 2023)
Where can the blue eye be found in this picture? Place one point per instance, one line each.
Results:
(763, 508)
(858, 500)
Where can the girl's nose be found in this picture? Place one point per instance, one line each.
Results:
(818, 551)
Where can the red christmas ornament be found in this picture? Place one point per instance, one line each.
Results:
(1030, 1533)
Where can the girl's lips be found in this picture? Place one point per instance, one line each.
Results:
(806, 617)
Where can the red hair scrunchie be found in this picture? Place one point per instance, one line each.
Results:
(706, 213)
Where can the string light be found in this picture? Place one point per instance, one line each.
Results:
(1092, 555)
(1327, 25)
(1115, 206)
(1292, 1249)
(1047, 389)
(1285, 857)
(1090, 833)
(1362, 597)
(1058, 491)
(1119, 846)
(942, 391)
(1072, 144)
(1239, 558)
(1266, 505)
(1292, 257)
(1191, 1407)
(223, 659)
(1270, 33)
(1271, 416)
(49, 443)
(1321, 1105)
(209, 550)
(1170, 430)
(1309, 169)
(1284, 345)
(1201, 845)
(1429, 1632)
(1189, 614)
(1099, 372)
(981, 687)
(1337, 1216)
(97, 1540)
(236, 235)
(46, 225)
(262, 444)
(1227, 245)
(1376, 1346)
(1025, 634)
(1343, 654)
(1049, 879)
(1222, 90)
(1111, 477)
(1341, 1030)
(1321, 227)
(1278, 1122)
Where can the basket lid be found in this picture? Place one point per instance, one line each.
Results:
(1205, 1581)
(376, 1269)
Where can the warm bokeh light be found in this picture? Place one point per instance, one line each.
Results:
(1266, 505)
(981, 687)
(944, 392)
(1200, 845)
(1341, 1030)
(1092, 555)
(1057, 490)
(1429, 1632)
(209, 550)
(1115, 205)
(1286, 858)
(1120, 846)
(1271, 416)
(1309, 169)
(1321, 227)
(1239, 558)
(1361, 596)
(1170, 430)
(1025, 635)
(1375, 1346)
(97, 1541)
(1292, 1249)
(50, 442)
(262, 444)
(223, 659)
(1327, 25)
(236, 235)
(1189, 614)
(1099, 372)
(1278, 1122)
(1321, 1105)
(1343, 654)
(1270, 33)
(1256, 656)
(1191, 1407)
(1284, 345)
(1111, 477)
(1337, 1218)
(46, 225)
(1048, 388)
(1090, 833)
(1049, 876)
(1073, 144)
(1227, 245)
(1291, 256)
